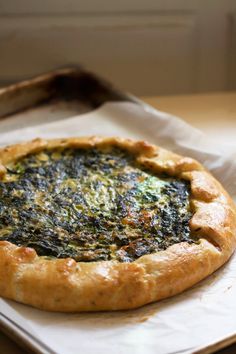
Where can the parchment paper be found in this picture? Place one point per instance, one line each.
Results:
(198, 317)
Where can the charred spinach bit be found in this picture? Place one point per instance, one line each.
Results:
(91, 205)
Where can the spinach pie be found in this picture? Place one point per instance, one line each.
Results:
(93, 223)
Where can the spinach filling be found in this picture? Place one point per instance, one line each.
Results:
(91, 205)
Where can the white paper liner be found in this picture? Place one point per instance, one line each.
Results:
(196, 318)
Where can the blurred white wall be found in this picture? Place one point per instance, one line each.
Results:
(145, 47)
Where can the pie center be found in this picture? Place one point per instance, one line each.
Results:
(92, 205)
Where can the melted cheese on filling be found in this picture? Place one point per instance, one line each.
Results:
(91, 205)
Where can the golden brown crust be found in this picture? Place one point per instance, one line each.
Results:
(64, 285)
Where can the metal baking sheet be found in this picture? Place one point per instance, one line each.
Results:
(46, 98)
(55, 95)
